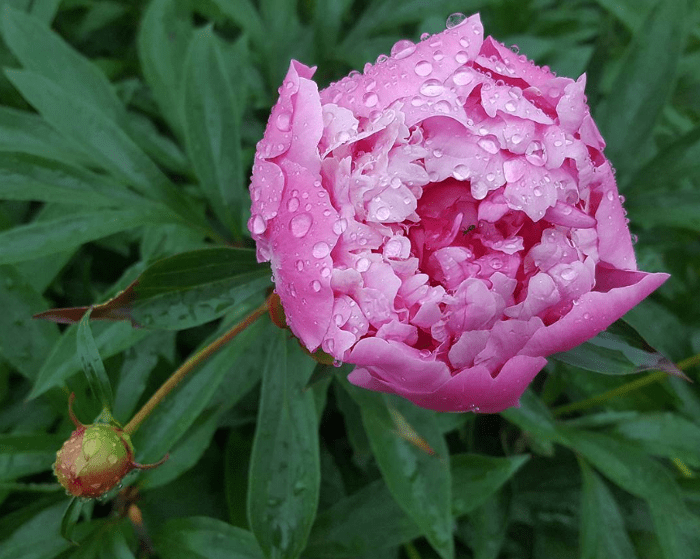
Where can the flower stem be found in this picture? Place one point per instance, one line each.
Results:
(189, 365)
(598, 399)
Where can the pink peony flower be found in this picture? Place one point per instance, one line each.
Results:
(444, 221)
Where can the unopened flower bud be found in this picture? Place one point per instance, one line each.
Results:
(94, 460)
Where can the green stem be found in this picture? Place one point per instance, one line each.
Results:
(636, 384)
(411, 551)
(189, 365)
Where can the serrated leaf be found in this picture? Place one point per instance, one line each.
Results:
(212, 118)
(92, 364)
(205, 538)
(418, 480)
(603, 534)
(25, 343)
(181, 291)
(45, 238)
(285, 476)
(643, 84)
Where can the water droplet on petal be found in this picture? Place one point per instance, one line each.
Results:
(321, 250)
(370, 99)
(568, 274)
(300, 265)
(293, 204)
(461, 57)
(340, 226)
(454, 20)
(300, 224)
(423, 68)
(461, 172)
(431, 88)
(283, 121)
(402, 49)
(383, 213)
(316, 286)
(362, 264)
(462, 77)
(259, 225)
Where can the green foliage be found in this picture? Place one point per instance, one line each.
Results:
(127, 131)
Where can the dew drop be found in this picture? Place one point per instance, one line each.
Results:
(461, 57)
(510, 107)
(402, 49)
(568, 274)
(383, 213)
(431, 88)
(461, 172)
(462, 77)
(283, 121)
(300, 224)
(316, 286)
(340, 226)
(321, 250)
(259, 225)
(293, 204)
(370, 99)
(362, 264)
(423, 68)
(300, 265)
(454, 20)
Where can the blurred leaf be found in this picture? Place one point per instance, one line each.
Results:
(27, 177)
(45, 238)
(535, 418)
(630, 12)
(205, 538)
(70, 518)
(418, 479)
(663, 434)
(284, 465)
(25, 444)
(92, 364)
(603, 533)
(98, 134)
(619, 350)
(212, 118)
(181, 291)
(25, 132)
(25, 343)
(63, 360)
(643, 85)
(626, 465)
(179, 411)
(371, 519)
(678, 208)
(164, 35)
(244, 14)
(37, 538)
(489, 525)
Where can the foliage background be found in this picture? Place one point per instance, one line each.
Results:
(128, 137)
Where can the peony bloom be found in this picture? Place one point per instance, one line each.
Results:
(444, 221)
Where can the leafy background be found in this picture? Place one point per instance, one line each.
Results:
(127, 135)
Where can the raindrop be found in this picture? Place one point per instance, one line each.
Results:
(461, 57)
(461, 172)
(587, 316)
(454, 20)
(610, 195)
(431, 88)
(316, 286)
(423, 68)
(510, 107)
(383, 213)
(402, 49)
(370, 99)
(259, 225)
(496, 263)
(462, 77)
(325, 272)
(362, 264)
(283, 121)
(537, 191)
(568, 274)
(488, 145)
(300, 265)
(320, 250)
(516, 139)
(382, 58)
(293, 204)
(300, 224)
(395, 182)
(438, 56)
(340, 226)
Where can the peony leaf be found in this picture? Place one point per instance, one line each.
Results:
(70, 518)
(205, 538)
(603, 534)
(212, 118)
(29, 444)
(643, 84)
(414, 460)
(46, 238)
(92, 364)
(620, 350)
(285, 475)
(181, 291)
(371, 519)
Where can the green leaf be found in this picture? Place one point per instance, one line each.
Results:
(31, 178)
(27, 444)
(534, 417)
(45, 238)
(643, 85)
(70, 518)
(620, 350)
(679, 208)
(285, 472)
(97, 134)
(419, 480)
(45, 53)
(244, 14)
(212, 117)
(25, 132)
(371, 519)
(179, 411)
(629, 467)
(32, 539)
(63, 360)
(92, 364)
(630, 12)
(205, 538)
(603, 533)
(489, 527)
(25, 343)
(165, 33)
